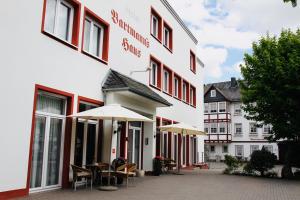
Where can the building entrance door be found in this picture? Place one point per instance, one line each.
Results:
(134, 145)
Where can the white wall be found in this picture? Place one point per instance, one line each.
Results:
(29, 57)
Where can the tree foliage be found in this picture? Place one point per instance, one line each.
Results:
(294, 2)
(271, 87)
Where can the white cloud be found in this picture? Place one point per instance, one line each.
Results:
(214, 58)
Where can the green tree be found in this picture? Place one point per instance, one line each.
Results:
(271, 87)
(294, 2)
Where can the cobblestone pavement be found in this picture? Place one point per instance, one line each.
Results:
(193, 185)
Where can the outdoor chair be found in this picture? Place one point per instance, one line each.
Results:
(126, 171)
(78, 173)
(169, 164)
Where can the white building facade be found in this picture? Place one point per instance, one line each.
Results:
(65, 56)
(229, 132)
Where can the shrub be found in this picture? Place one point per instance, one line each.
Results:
(248, 169)
(157, 167)
(262, 161)
(231, 162)
(271, 174)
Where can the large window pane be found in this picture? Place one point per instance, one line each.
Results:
(63, 22)
(50, 15)
(38, 153)
(50, 104)
(54, 150)
(90, 145)
(154, 72)
(87, 30)
(96, 41)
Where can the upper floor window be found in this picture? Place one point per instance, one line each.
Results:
(185, 92)
(168, 36)
(167, 84)
(222, 128)
(61, 20)
(206, 128)
(253, 128)
(206, 107)
(192, 62)
(155, 73)
(95, 36)
(177, 86)
(213, 128)
(156, 23)
(222, 106)
(193, 96)
(266, 129)
(213, 107)
(213, 93)
(237, 109)
(238, 128)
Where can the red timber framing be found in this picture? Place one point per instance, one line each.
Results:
(106, 27)
(159, 73)
(159, 18)
(100, 123)
(76, 24)
(67, 143)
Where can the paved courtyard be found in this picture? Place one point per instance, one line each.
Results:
(194, 185)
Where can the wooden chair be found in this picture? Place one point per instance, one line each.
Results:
(170, 164)
(126, 171)
(79, 172)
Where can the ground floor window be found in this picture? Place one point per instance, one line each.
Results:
(225, 149)
(239, 150)
(212, 149)
(253, 148)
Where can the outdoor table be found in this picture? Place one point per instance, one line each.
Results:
(105, 173)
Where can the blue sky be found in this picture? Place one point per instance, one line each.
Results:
(226, 29)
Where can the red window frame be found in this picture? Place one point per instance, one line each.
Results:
(179, 86)
(159, 73)
(159, 18)
(187, 91)
(106, 26)
(194, 103)
(170, 84)
(193, 63)
(76, 24)
(170, 45)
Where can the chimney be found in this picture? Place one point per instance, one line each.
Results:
(233, 82)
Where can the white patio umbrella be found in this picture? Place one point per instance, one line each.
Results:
(111, 112)
(181, 128)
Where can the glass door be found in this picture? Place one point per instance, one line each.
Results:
(46, 163)
(134, 144)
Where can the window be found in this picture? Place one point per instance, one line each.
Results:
(192, 62)
(212, 148)
(222, 128)
(168, 37)
(206, 107)
(177, 86)
(167, 80)
(193, 96)
(185, 91)
(268, 148)
(213, 128)
(239, 150)
(206, 128)
(253, 148)
(237, 109)
(213, 93)
(222, 106)
(225, 149)
(155, 73)
(266, 129)
(238, 128)
(253, 128)
(156, 23)
(213, 107)
(61, 19)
